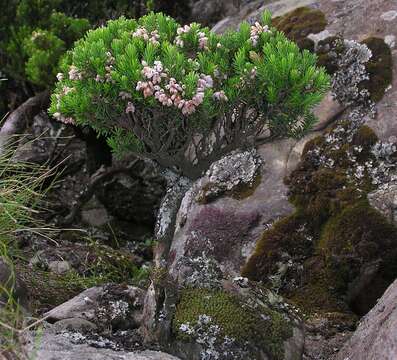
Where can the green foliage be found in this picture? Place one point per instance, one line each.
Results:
(30, 68)
(159, 84)
(19, 195)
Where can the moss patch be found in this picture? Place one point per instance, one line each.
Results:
(334, 234)
(282, 237)
(328, 51)
(267, 330)
(299, 23)
(380, 68)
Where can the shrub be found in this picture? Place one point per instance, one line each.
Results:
(184, 96)
(30, 68)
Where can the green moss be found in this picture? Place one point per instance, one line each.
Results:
(326, 51)
(316, 142)
(282, 236)
(380, 68)
(316, 293)
(266, 329)
(365, 137)
(299, 23)
(345, 232)
(355, 225)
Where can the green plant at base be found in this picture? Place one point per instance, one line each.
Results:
(262, 327)
(184, 96)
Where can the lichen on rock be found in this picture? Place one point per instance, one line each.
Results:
(234, 174)
(231, 326)
(332, 238)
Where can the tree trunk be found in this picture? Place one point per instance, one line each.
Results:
(160, 297)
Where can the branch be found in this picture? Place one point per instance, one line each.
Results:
(21, 117)
(99, 176)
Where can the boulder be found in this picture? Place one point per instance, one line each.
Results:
(54, 345)
(114, 306)
(376, 335)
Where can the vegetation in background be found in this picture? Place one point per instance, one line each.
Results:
(34, 34)
(184, 96)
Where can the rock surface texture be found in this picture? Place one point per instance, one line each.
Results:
(376, 335)
(309, 222)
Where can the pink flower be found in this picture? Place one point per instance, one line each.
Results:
(188, 108)
(220, 96)
(130, 108)
(198, 98)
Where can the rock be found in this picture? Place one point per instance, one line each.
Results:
(95, 214)
(134, 197)
(384, 199)
(389, 15)
(59, 267)
(390, 40)
(252, 11)
(226, 229)
(239, 321)
(116, 306)
(74, 324)
(209, 12)
(85, 259)
(211, 242)
(376, 335)
(47, 140)
(233, 173)
(54, 345)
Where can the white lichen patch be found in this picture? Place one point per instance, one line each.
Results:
(208, 334)
(232, 171)
(389, 15)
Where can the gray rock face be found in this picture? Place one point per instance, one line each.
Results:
(385, 201)
(227, 228)
(235, 170)
(87, 304)
(212, 239)
(376, 335)
(63, 346)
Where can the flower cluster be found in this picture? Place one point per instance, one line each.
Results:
(110, 60)
(75, 73)
(170, 92)
(256, 30)
(202, 37)
(57, 115)
(152, 37)
(203, 40)
(220, 96)
(181, 30)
